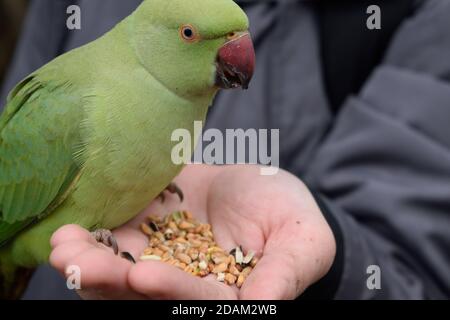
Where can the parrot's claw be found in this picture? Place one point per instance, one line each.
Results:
(172, 188)
(107, 238)
(128, 256)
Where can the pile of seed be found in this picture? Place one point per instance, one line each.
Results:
(179, 240)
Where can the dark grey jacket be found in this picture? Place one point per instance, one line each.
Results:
(380, 166)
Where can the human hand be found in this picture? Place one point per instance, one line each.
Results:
(276, 216)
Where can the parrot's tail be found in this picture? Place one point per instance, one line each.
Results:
(13, 280)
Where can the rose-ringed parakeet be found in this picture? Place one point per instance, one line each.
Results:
(86, 139)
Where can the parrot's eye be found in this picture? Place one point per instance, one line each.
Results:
(188, 33)
(231, 35)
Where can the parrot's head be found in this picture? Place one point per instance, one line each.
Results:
(194, 47)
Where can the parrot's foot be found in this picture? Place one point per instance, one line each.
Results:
(107, 238)
(172, 188)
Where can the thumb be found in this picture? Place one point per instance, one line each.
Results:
(157, 280)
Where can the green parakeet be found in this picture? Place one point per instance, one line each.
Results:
(86, 139)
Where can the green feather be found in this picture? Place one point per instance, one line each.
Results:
(36, 165)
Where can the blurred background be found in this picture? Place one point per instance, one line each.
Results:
(12, 14)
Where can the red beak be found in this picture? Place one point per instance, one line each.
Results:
(235, 62)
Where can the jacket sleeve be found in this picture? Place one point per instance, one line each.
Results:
(383, 172)
(41, 40)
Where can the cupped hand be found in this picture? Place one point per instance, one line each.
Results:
(275, 216)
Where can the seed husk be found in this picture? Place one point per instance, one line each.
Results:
(165, 248)
(148, 251)
(181, 240)
(203, 265)
(215, 249)
(150, 257)
(254, 262)
(168, 234)
(219, 258)
(159, 236)
(230, 279)
(249, 257)
(146, 229)
(220, 268)
(233, 270)
(173, 226)
(193, 253)
(154, 218)
(240, 280)
(221, 277)
(196, 243)
(188, 215)
(153, 226)
(158, 252)
(181, 265)
(184, 225)
(177, 216)
(239, 256)
(246, 271)
(207, 234)
(184, 258)
(232, 260)
(153, 242)
(182, 233)
(202, 273)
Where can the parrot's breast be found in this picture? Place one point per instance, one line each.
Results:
(129, 149)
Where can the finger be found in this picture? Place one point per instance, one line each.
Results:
(62, 254)
(159, 281)
(102, 271)
(70, 232)
(102, 275)
(274, 278)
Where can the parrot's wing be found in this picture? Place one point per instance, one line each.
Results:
(38, 131)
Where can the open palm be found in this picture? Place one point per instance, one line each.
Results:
(275, 216)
